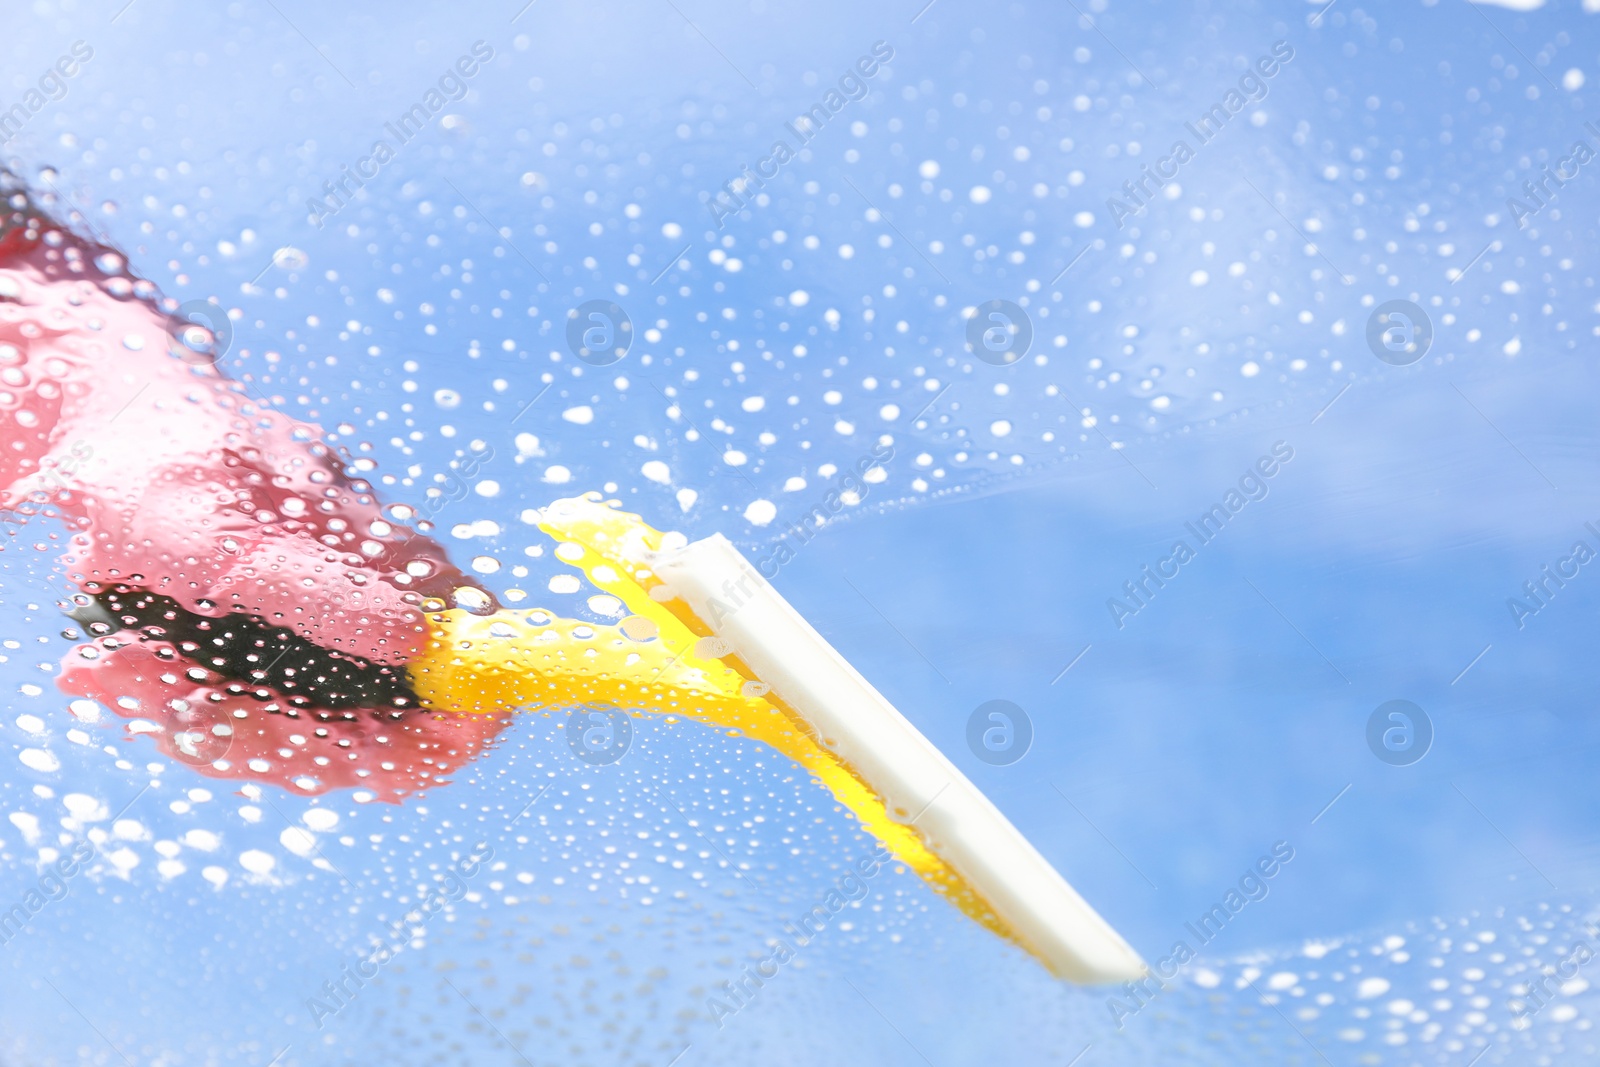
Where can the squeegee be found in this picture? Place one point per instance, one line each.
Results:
(769, 641)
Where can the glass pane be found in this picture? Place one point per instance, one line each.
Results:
(1149, 442)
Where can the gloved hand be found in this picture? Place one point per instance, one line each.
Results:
(233, 518)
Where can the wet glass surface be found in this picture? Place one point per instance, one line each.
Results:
(988, 322)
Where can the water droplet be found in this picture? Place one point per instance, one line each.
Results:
(474, 600)
(639, 628)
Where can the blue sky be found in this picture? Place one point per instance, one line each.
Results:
(1170, 352)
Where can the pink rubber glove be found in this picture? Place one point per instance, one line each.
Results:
(174, 481)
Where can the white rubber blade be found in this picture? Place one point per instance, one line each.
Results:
(955, 819)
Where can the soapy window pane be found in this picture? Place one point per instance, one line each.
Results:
(1180, 415)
